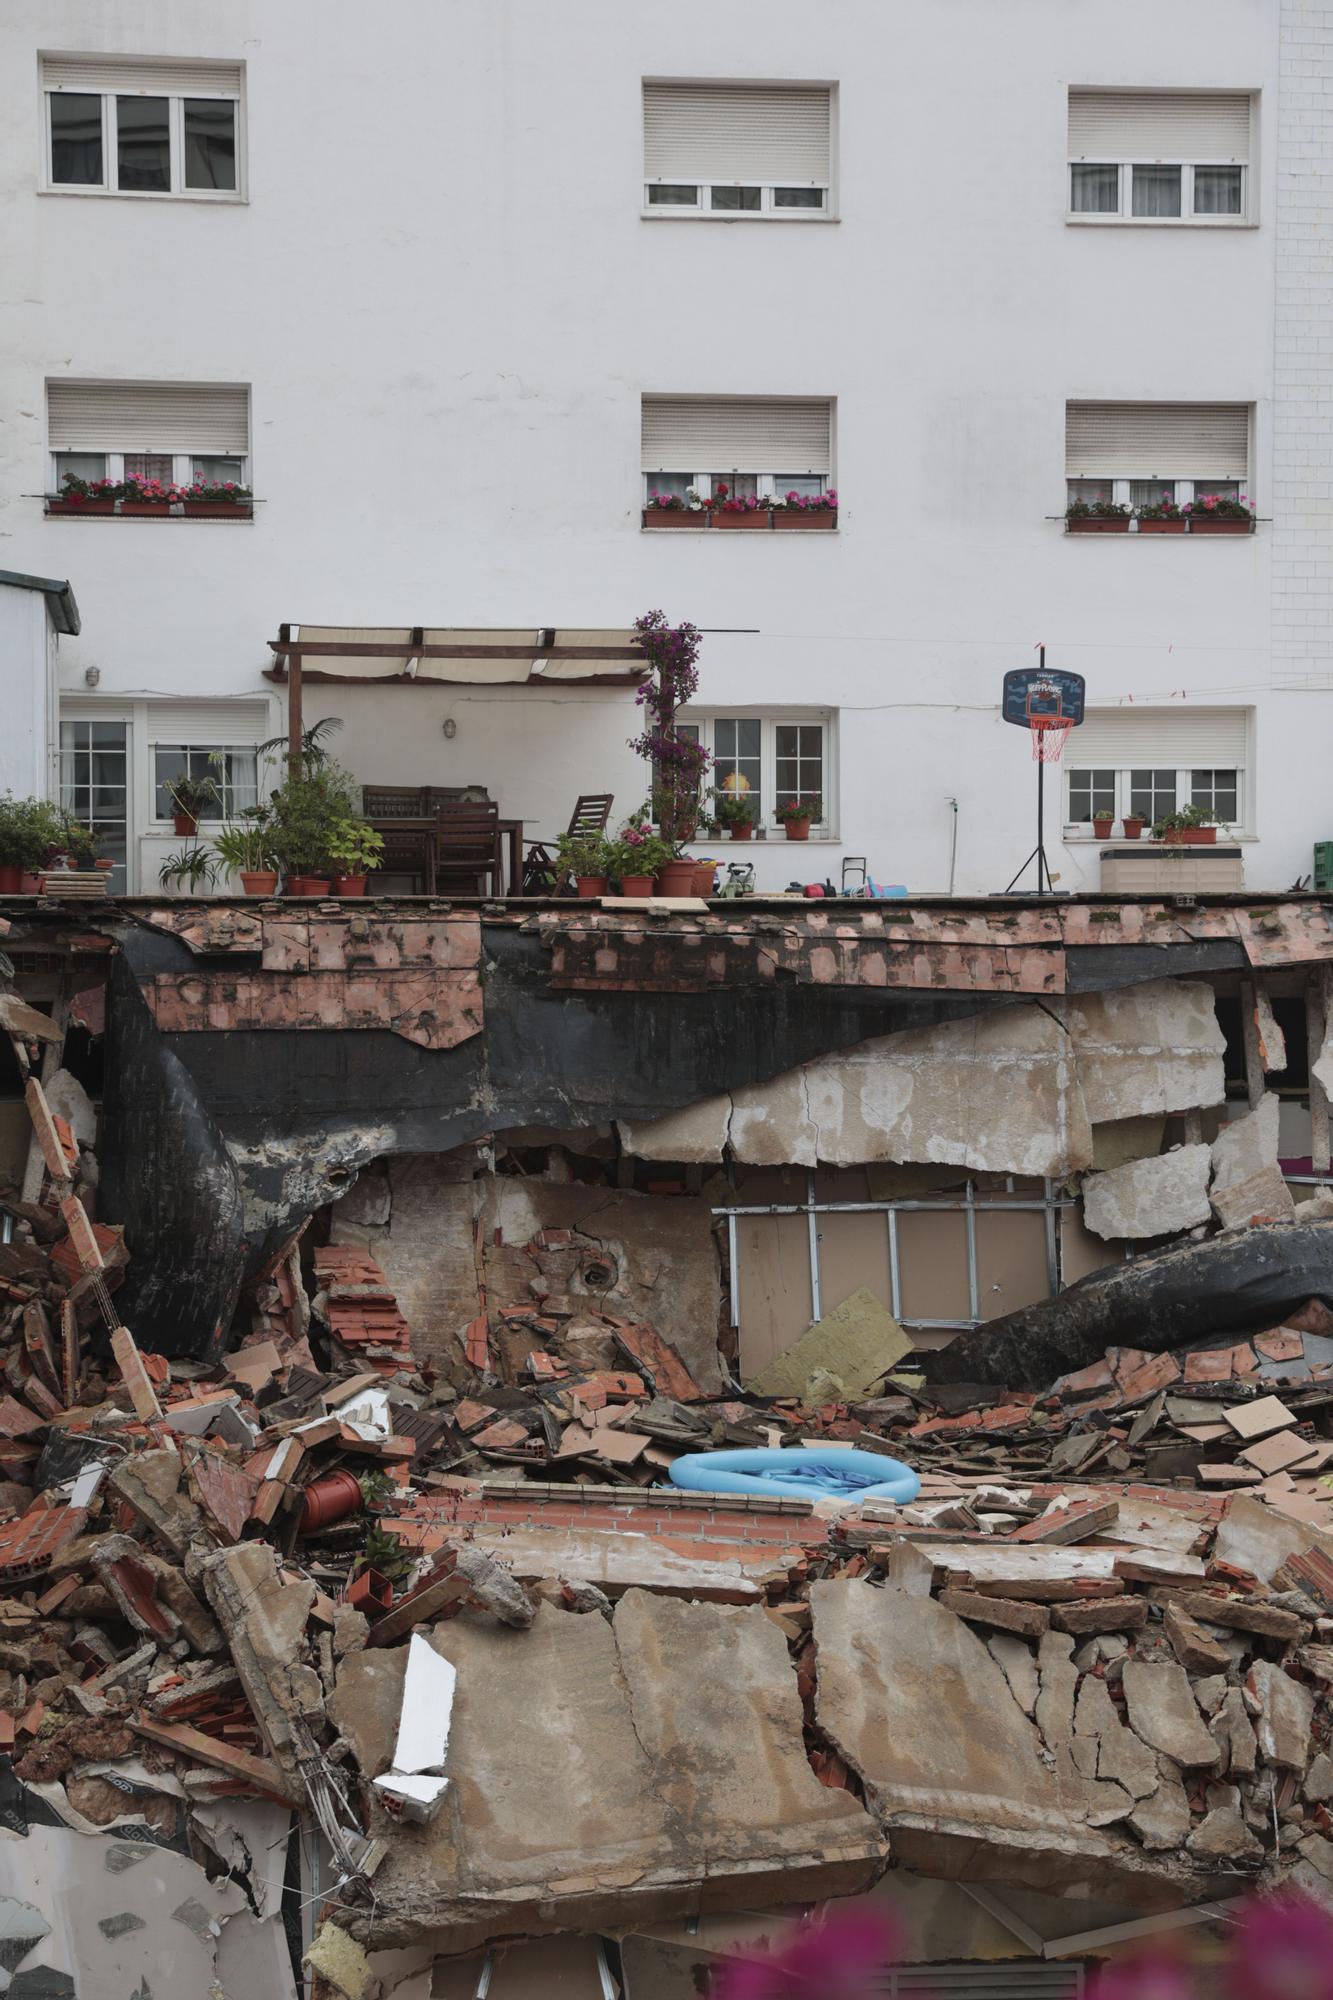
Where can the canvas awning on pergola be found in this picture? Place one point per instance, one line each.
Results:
(450, 656)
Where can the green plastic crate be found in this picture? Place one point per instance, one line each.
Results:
(1323, 866)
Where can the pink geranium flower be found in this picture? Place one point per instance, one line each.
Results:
(838, 1959)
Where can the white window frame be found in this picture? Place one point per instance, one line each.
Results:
(770, 719)
(200, 741)
(1182, 489)
(176, 128)
(701, 209)
(1123, 212)
(182, 464)
(1237, 829)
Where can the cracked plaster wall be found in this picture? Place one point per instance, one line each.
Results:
(1014, 1090)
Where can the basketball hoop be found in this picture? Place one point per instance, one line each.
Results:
(1050, 733)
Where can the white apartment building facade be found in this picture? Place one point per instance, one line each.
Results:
(456, 289)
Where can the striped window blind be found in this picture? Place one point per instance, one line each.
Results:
(735, 133)
(205, 417)
(1157, 440)
(1159, 125)
(702, 434)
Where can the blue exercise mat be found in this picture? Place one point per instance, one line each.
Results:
(860, 1475)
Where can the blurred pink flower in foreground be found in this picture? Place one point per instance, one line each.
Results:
(833, 1960)
(1150, 1975)
(1283, 1950)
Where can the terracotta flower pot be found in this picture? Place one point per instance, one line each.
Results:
(259, 881)
(1165, 526)
(675, 517)
(217, 510)
(30, 883)
(11, 876)
(308, 885)
(1101, 828)
(71, 504)
(676, 878)
(1099, 524)
(704, 874)
(805, 519)
(745, 832)
(148, 510)
(349, 885)
(1133, 826)
(636, 885)
(797, 829)
(331, 1498)
(185, 823)
(750, 517)
(1191, 836)
(590, 887)
(1209, 524)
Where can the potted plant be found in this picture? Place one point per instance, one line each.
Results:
(246, 849)
(1217, 514)
(797, 813)
(1097, 517)
(304, 816)
(31, 834)
(588, 858)
(805, 511)
(734, 811)
(149, 497)
(731, 510)
(86, 496)
(224, 501)
(188, 798)
(80, 843)
(1102, 822)
(1188, 826)
(1133, 825)
(1161, 517)
(355, 844)
(190, 871)
(669, 510)
(636, 855)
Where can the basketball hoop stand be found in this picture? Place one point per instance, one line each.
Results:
(1050, 726)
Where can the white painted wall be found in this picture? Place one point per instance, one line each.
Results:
(27, 678)
(448, 305)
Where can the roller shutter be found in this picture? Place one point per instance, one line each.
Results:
(1159, 125)
(735, 434)
(149, 416)
(1178, 738)
(735, 133)
(135, 76)
(232, 722)
(1157, 440)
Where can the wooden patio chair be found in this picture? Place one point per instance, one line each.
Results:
(406, 848)
(590, 815)
(468, 860)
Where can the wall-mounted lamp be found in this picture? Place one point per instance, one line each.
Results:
(91, 676)
(450, 727)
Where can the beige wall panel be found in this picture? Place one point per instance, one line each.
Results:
(932, 1262)
(774, 1256)
(1011, 1261)
(853, 1251)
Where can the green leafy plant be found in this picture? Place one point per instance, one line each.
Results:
(356, 846)
(306, 813)
(314, 745)
(636, 849)
(1220, 507)
(376, 1490)
(809, 805)
(1164, 509)
(384, 1552)
(1182, 820)
(79, 841)
(1095, 510)
(189, 871)
(189, 795)
(584, 854)
(732, 809)
(246, 848)
(29, 829)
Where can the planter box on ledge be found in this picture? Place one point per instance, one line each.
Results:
(675, 517)
(1140, 869)
(804, 520)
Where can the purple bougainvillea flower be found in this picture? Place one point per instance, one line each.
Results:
(839, 1959)
(1283, 1950)
(1153, 1975)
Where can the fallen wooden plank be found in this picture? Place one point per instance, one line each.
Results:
(259, 1772)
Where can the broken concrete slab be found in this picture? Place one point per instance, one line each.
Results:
(265, 1619)
(1247, 1145)
(1123, 1758)
(1162, 1710)
(1149, 1198)
(951, 1765)
(617, 1561)
(1018, 1664)
(1286, 1712)
(153, 1595)
(1147, 1049)
(149, 1484)
(646, 1821)
(856, 1345)
(1261, 1197)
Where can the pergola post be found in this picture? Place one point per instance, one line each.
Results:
(294, 712)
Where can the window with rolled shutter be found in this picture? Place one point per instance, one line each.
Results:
(704, 435)
(1160, 156)
(1146, 761)
(209, 418)
(734, 148)
(135, 125)
(1168, 441)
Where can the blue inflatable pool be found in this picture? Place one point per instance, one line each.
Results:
(809, 1475)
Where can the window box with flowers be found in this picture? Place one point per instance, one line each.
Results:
(86, 496)
(1218, 514)
(736, 510)
(670, 510)
(216, 502)
(804, 512)
(1187, 826)
(1097, 517)
(1161, 517)
(149, 499)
